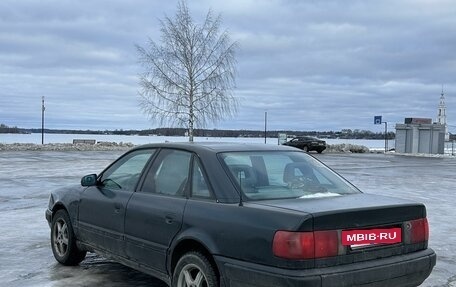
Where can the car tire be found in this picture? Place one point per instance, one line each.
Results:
(319, 150)
(63, 241)
(194, 269)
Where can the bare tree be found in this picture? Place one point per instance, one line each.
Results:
(188, 78)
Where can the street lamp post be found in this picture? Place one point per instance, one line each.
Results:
(42, 120)
(265, 125)
(378, 121)
(386, 136)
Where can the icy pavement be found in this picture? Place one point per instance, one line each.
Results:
(428, 180)
(26, 178)
(26, 258)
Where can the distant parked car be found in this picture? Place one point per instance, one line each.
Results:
(307, 143)
(239, 215)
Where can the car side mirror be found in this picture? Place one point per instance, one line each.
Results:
(89, 180)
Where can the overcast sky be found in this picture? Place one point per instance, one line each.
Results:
(312, 65)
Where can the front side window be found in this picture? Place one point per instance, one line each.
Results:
(277, 174)
(124, 174)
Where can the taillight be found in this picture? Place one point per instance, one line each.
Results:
(305, 245)
(326, 243)
(418, 230)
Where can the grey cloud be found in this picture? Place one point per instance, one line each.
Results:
(317, 65)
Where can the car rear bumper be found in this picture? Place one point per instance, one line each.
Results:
(317, 148)
(405, 270)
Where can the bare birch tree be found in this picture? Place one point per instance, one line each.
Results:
(188, 77)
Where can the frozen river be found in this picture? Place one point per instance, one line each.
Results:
(136, 139)
(27, 177)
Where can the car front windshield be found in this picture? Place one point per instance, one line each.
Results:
(283, 174)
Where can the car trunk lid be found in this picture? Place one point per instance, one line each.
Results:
(351, 211)
(399, 227)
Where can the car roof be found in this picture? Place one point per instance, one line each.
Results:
(217, 147)
(305, 137)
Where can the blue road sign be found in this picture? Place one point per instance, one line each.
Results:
(377, 120)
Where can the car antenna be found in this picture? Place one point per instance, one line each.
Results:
(240, 186)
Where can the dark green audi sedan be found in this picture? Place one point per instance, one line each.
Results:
(239, 215)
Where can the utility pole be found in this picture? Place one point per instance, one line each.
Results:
(42, 120)
(386, 136)
(265, 125)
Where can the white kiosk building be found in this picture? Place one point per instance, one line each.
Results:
(418, 135)
(421, 135)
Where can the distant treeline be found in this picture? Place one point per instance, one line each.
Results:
(4, 129)
(343, 134)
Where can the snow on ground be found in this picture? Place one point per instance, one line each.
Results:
(27, 177)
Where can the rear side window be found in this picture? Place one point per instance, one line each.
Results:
(200, 187)
(283, 174)
(169, 173)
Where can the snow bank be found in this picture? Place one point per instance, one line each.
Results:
(113, 146)
(346, 148)
(100, 146)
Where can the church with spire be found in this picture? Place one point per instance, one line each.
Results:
(441, 115)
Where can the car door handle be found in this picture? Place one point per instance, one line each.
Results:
(169, 219)
(117, 207)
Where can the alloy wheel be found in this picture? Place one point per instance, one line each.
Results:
(192, 276)
(61, 237)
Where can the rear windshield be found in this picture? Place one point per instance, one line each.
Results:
(283, 174)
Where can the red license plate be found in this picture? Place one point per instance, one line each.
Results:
(371, 236)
